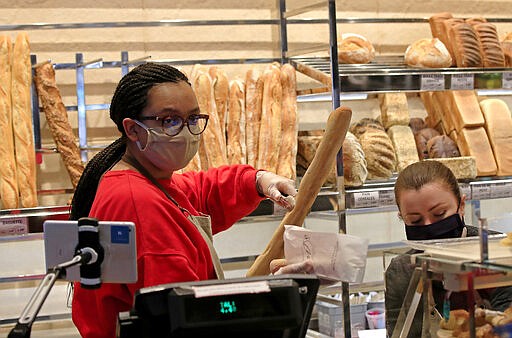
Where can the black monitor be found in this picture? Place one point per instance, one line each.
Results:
(270, 306)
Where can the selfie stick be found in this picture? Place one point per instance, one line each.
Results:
(89, 253)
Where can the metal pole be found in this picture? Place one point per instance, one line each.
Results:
(80, 102)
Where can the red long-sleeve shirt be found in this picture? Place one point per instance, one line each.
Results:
(169, 247)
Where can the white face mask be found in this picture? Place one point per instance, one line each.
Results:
(169, 152)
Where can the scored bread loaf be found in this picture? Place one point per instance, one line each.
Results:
(442, 146)
(475, 20)
(237, 153)
(211, 139)
(253, 102)
(9, 193)
(57, 119)
(416, 124)
(428, 53)
(506, 46)
(270, 129)
(403, 142)
(360, 127)
(287, 162)
(465, 45)
(355, 48)
(474, 142)
(490, 46)
(379, 153)
(463, 167)
(354, 162)
(220, 85)
(498, 124)
(22, 121)
(394, 109)
(438, 29)
(465, 110)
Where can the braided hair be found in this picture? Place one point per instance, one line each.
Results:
(130, 98)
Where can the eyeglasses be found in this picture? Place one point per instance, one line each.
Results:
(172, 125)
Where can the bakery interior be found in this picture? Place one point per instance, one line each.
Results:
(87, 42)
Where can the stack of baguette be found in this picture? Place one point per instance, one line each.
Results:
(18, 169)
(252, 120)
(472, 42)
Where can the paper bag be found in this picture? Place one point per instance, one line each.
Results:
(335, 256)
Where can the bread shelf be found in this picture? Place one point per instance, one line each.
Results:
(390, 74)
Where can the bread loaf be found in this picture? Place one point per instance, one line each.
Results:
(394, 109)
(237, 153)
(211, 140)
(306, 150)
(490, 46)
(220, 85)
(463, 167)
(287, 161)
(403, 142)
(465, 110)
(475, 21)
(465, 45)
(439, 30)
(474, 142)
(354, 162)
(442, 146)
(416, 124)
(498, 124)
(421, 140)
(506, 46)
(270, 129)
(428, 53)
(22, 120)
(434, 116)
(366, 123)
(57, 119)
(443, 104)
(355, 48)
(379, 153)
(253, 102)
(9, 194)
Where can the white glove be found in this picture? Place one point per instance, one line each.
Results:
(279, 189)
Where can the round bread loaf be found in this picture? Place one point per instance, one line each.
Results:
(428, 53)
(422, 137)
(355, 48)
(442, 146)
(417, 124)
(354, 162)
(379, 153)
(361, 126)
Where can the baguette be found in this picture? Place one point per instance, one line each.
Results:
(237, 152)
(220, 85)
(289, 124)
(9, 193)
(211, 140)
(253, 102)
(270, 130)
(22, 120)
(57, 118)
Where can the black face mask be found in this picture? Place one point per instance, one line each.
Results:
(449, 227)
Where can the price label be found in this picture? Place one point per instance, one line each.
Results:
(465, 189)
(501, 190)
(13, 226)
(432, 82)
(507, 80)
(462, 81)
(481, 191)
(387, 197)
(366, 199)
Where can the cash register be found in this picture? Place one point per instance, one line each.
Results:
(270, 306)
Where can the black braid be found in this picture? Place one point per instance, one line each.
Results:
(128, 101)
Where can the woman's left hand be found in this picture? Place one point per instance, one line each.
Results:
(279, 189)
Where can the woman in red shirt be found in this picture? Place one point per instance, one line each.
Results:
(134, 179)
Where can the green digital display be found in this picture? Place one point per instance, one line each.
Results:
(227, 306)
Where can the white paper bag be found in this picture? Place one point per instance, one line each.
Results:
(335, 256)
